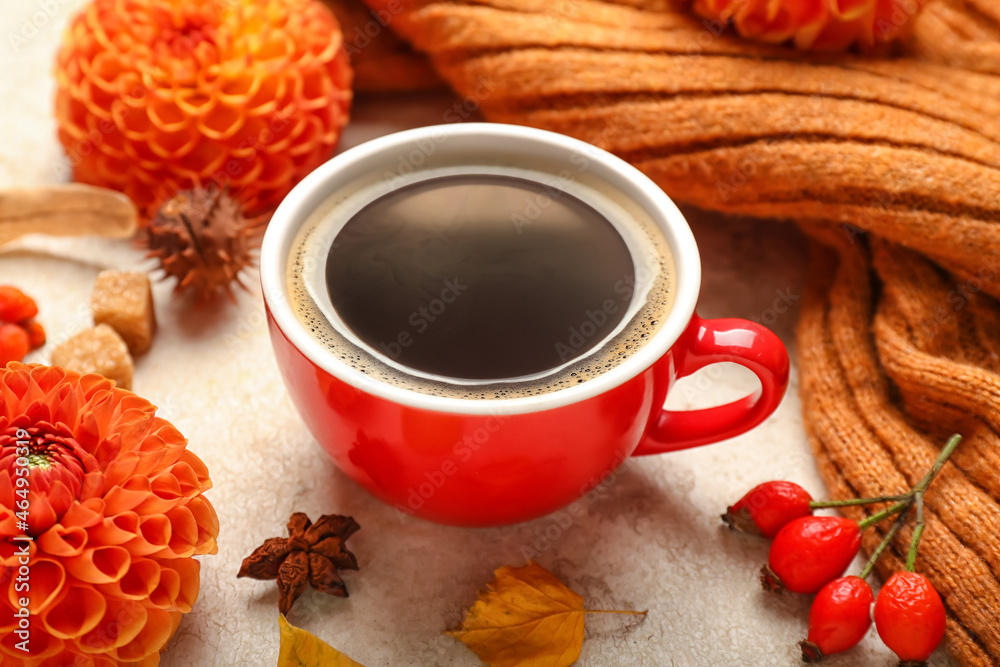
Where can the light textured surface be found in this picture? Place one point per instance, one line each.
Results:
(650, 540)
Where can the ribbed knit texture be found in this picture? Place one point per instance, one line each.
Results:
(899, 342)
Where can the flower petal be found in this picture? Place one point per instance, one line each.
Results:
(159, 626)
(138, 583)
(208, 525)
(84, 514)
(183, 531)
(46, 578)
(41, 515)
(78, 612)
(100, 565)
(153, 535)
(43, 645)
(115, 530)
(62, 541)
(188, 569)
(123, 620)
(121, 499)
(167, 590)
(849, 10)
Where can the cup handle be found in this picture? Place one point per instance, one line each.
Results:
(707, 342)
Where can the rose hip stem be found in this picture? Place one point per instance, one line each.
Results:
(918, 532)
(896, 525)
(913, 497)
(823, 504)
(921, 486)
(901, 500)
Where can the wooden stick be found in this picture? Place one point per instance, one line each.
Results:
(66, 210)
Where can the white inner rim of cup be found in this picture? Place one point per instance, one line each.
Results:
(381, 156)
(645, 260)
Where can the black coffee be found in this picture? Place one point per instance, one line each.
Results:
(480, 276)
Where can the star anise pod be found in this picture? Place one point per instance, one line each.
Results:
(312, 553)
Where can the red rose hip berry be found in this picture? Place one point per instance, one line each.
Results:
(909, 617)
(14, 343)
(839, 618)
(15, 305)
(768, 507)
(36, 334)
(810, 552)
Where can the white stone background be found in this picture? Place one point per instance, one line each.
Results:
(652, 541)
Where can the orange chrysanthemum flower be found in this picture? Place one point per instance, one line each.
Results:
(157, 96)
(815, 24)
(112, 503)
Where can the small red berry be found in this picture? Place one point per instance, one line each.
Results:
(14, 344)
(839, 618)
(767, 507)
(909, 617)
(15, 305)
(36, 334)
(809, 552)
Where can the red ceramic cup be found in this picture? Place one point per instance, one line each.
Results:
(490, 462)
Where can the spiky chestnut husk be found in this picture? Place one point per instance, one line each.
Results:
(202, 238)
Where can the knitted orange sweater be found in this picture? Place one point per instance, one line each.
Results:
(892, 165)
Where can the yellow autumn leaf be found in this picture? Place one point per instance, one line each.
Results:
(525, 618)
(300, 648)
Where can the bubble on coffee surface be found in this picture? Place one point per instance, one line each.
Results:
(651, 255)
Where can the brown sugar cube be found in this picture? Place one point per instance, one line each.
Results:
(98, 350)
(124, 301)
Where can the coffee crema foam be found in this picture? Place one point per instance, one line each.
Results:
(649, 303)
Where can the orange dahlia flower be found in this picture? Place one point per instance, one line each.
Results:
(815, 24)
(96, 544)
(157, 96)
